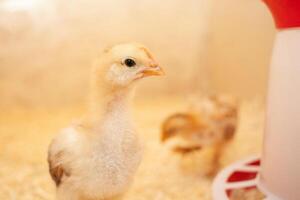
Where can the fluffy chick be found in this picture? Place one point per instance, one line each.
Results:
(96, 158)
(209, 124)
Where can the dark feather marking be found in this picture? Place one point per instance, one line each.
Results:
(186, 150)
(56, 170)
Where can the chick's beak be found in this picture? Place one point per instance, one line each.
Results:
(153, 70)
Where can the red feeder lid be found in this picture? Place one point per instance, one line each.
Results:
(286, 13)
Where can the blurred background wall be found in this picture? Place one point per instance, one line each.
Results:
(47, 47)
(243, 34)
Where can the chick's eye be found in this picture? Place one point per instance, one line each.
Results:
(129, 62)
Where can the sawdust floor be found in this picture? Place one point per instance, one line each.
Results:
(26, 133)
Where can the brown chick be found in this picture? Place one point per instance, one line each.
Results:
(209, 124)
(184, 125)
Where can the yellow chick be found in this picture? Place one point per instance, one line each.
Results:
(96, 159)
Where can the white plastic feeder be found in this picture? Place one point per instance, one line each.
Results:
(279, 177)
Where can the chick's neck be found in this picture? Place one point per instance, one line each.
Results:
(105, 100)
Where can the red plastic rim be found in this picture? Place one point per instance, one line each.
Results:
(286, 13)
(240, 175)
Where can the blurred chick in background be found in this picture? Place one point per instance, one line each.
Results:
(203, 131)
(97, 158)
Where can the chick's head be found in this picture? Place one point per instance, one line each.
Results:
(123, 64)
(180, 124)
